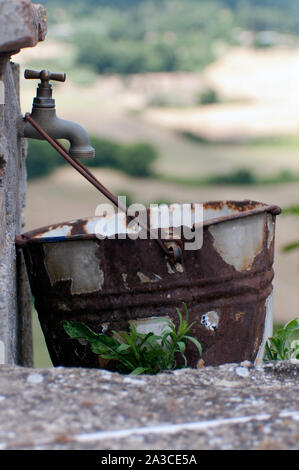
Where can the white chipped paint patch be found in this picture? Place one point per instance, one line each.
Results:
(105, 327)
(75, 261)
(174, 268)
(102, 226)
(238, 242)
(61, 231)
(210, 320)
(156, 325)
(144, 278)
(212, 213)
(115, 224)
(268, 330)
(271, 228)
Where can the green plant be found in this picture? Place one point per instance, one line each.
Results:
(136, 353)
(284, 344)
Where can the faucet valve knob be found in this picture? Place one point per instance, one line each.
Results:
(43, 97)
(44, 76)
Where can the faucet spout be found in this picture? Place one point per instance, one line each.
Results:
(60, 129)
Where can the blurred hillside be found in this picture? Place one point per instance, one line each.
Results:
(252, 14)
(137, 36)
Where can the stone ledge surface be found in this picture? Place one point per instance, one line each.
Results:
(233, 406)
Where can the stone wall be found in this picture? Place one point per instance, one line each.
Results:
(21, 25)
(229, 407)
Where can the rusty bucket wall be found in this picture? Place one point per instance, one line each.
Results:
(226, 285)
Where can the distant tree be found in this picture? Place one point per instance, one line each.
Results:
(137, 159)
(209, 96)
(106, 153)
(242, 176)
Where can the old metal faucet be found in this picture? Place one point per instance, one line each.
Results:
(44, 114)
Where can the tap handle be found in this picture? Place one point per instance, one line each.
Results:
(44, 75)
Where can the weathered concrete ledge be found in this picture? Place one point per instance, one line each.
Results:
(234, 406)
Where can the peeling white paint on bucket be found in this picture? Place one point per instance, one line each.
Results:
(268, 330)
(238, 242)
(79, 265)
(156, 325)
(210, 320)
(271, 229)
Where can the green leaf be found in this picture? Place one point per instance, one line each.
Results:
(182, 346)
(117, 336)
(292, 325)
(197, 343)
(269, 353)
(138, 371)
(279, 346)
(146, 338)
(78, 330)
(186, 312)
(122, 348)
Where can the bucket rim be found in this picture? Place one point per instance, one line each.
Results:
(245, 208)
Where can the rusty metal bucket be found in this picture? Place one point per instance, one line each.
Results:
(226, 285)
